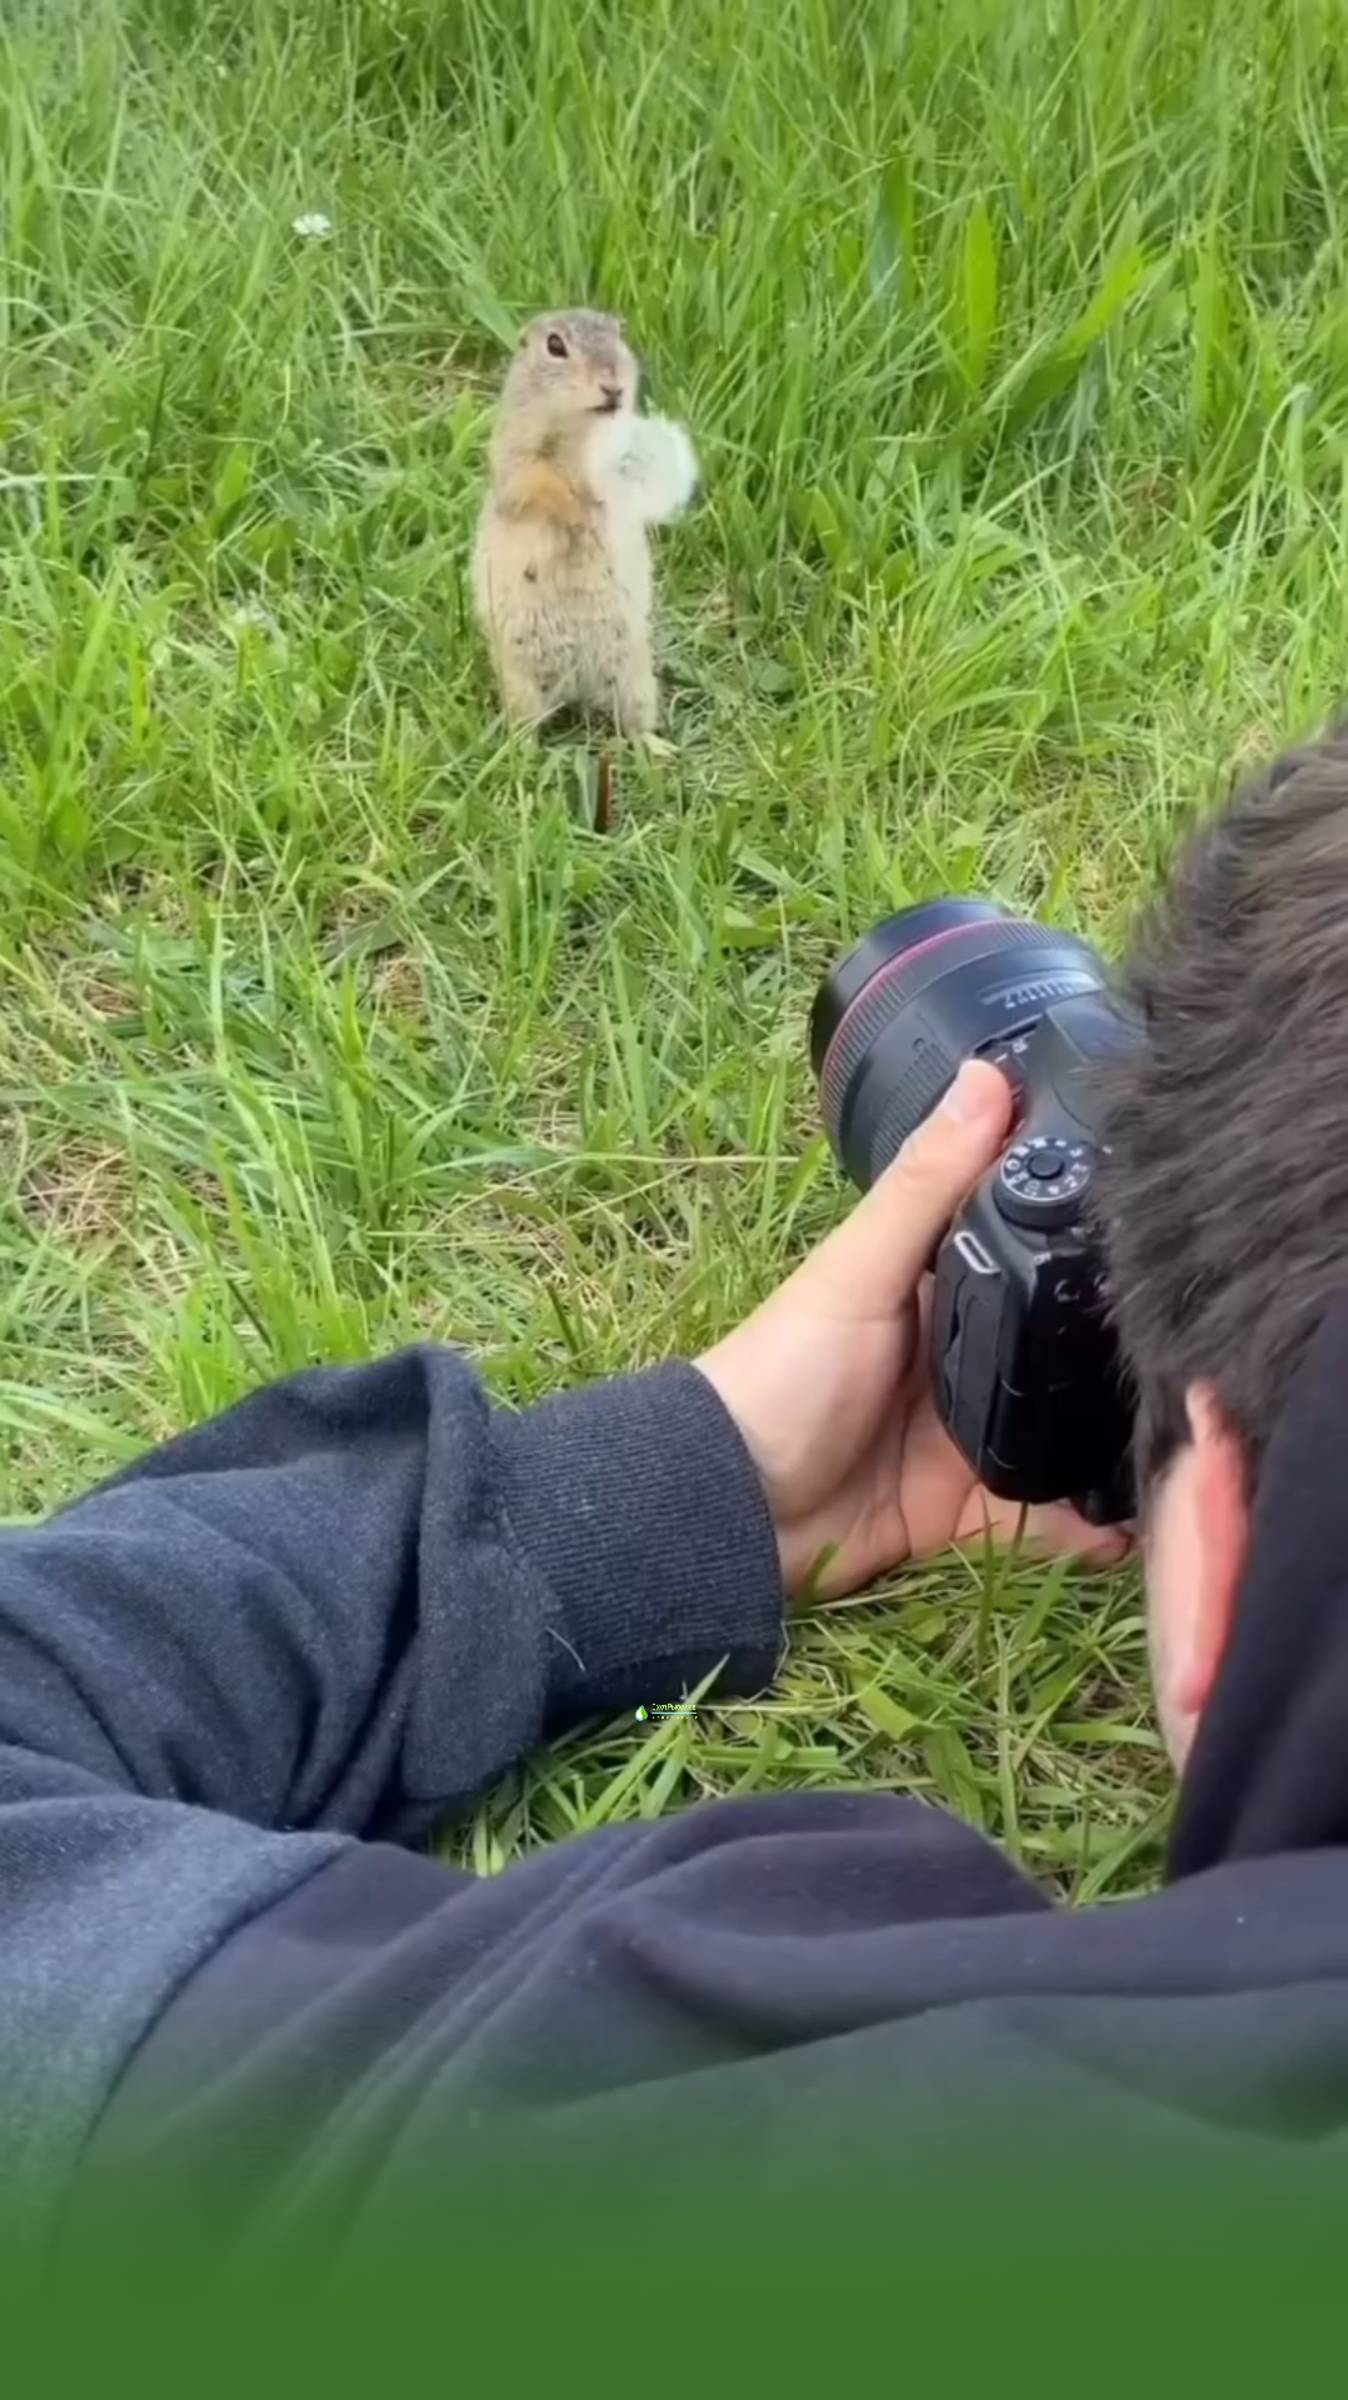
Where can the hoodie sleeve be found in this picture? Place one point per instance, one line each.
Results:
(356, 1598)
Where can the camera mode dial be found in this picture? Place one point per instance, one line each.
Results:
(1041, 1181)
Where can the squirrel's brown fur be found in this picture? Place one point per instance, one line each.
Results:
(561, 569)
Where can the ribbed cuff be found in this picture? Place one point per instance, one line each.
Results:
(640, 1506)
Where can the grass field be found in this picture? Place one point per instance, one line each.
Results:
(1015, 340)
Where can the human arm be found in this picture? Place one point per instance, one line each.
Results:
(356, 1598)
(341, 1608)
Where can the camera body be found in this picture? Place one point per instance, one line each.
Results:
(1024, 1363)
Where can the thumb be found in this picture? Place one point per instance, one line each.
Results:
(888, 1240)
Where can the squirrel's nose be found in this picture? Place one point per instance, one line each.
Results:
(613, 393)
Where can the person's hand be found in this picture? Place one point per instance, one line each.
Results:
(828, 1381)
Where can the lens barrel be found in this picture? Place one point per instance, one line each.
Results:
(928, 988)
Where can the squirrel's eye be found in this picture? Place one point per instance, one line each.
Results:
(556, 346)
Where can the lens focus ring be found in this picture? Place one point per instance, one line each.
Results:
(891, 990)
(925, 990)
(913, 1097)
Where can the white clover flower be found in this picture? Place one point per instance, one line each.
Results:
(251, 616)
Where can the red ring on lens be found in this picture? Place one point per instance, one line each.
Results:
(830, 1100)
(901, 961)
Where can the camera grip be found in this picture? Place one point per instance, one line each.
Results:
(1024, 1367)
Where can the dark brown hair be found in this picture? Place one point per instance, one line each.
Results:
(1225, 1199)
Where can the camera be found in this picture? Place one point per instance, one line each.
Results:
(1024, 1363)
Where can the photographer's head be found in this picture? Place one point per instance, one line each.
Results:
(1226, 1199)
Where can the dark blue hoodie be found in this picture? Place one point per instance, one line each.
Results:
(240, 1684)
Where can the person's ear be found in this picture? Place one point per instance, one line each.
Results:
(1196, 1560)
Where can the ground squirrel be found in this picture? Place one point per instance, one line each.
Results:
(561, 569)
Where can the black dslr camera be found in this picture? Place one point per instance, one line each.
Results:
(1023, 1358)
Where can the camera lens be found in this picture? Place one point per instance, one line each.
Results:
(928, 988)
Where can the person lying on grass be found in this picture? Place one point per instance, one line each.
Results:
(240, 1685)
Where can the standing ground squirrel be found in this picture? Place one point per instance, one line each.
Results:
(561, 568)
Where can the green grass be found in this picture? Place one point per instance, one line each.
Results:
(1015, 340)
